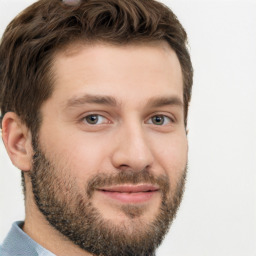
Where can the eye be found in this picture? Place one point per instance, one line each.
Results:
(160, 120)
(95, 119)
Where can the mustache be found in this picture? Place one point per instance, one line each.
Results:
(127, 176)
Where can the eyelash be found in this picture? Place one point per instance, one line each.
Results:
(170, 120)
(149, 120)
(94, 115)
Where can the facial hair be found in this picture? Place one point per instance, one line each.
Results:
(72, 213)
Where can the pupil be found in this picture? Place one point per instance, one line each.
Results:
(158, 120)
(93, 119)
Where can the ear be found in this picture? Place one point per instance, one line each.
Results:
(17, 140)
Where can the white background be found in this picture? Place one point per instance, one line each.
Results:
(218, 214)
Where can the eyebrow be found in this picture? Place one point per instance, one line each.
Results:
(165, 101)
(92, 99)
(153, 102)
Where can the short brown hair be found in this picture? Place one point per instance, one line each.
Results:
(31, 39)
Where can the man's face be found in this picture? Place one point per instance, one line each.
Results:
(111, 152)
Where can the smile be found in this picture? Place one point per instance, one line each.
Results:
(130, 193)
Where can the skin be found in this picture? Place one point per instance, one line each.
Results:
(125, 137)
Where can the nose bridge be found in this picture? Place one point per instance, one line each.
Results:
(133, 149)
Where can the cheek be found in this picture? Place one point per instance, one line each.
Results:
(171, 156)
(82, 157)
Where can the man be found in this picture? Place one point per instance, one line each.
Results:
(94, 101)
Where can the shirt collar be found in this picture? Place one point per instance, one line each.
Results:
(19, 243)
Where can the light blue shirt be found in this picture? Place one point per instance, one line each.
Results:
(18, 243)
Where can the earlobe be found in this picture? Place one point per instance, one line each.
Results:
(17, 140)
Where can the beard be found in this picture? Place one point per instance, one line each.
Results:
(71, 211)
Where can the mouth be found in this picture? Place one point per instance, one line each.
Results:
(130, 193)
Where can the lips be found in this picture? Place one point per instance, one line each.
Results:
(130, 193)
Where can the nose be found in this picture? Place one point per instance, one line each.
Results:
(132, 149)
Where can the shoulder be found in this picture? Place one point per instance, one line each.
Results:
(16, 243)
(4, 252)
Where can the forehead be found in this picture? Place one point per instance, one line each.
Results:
(133, 70)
